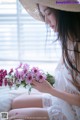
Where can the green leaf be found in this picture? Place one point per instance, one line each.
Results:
(17, 85)
(50, 78)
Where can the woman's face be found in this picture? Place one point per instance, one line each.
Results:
(49, 17)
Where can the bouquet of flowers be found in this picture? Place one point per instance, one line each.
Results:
(3, 73)
(24, 75)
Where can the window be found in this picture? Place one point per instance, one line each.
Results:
(23, 39)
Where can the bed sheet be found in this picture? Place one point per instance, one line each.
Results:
(7, 95)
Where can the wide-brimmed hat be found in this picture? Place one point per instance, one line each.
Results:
(66, 5)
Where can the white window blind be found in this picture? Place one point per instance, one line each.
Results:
(23, 39)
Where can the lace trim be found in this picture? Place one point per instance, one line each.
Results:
(46, 100)
(56, 113)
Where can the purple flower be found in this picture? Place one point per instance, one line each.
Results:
(29, 77)
(40, 77)
(25, 68)
(3, 73)
(5, 82)
(19, 74)
(20, 65)
(35, 71)
(0, 83)
(11, 70)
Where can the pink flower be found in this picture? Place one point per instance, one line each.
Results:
(11, 70)
(20, 65)
(19, 74)
(35, 71)
(1, 76)
(40, 77)
(25, 68)
(23, 76)
(3, 73)
(5, 82)
(1, 83)
(29, 77)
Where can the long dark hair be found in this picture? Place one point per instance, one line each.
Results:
(68, 26)
(69, 33)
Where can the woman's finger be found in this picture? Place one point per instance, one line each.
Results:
(35, 82)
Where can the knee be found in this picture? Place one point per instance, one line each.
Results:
(11, 115)
(15, 103)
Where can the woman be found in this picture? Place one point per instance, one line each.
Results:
(61, 102)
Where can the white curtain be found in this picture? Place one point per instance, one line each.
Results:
(23, 39)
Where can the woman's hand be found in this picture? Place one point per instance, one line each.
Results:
(44, 86)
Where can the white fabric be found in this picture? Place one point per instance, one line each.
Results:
(7, 95)
(59, 109)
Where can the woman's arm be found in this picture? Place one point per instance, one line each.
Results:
(45, 87)
(70, 98)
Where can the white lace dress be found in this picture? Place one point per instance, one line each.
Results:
(57, 108)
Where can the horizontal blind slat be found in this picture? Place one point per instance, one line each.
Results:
(22, 37)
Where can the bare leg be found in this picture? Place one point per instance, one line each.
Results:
(27, 101)
(28, 107)
(28, 114)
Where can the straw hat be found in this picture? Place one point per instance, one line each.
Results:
(66, 5)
